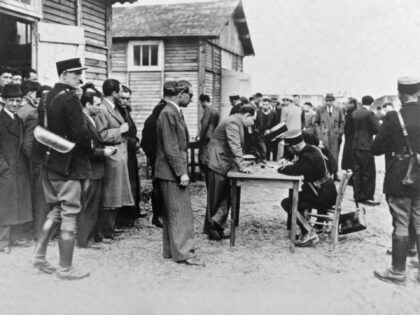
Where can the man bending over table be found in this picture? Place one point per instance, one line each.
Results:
(318, 189)
(223, 153)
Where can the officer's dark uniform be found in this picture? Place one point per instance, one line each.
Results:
(318, 189)
(404, 202)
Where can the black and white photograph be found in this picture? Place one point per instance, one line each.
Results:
(183, 157)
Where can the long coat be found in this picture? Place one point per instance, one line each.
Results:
(330, 128)
(15, 191)
(347, 160)
(116, 185)
(209, 122)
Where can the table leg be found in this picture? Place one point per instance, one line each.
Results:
(233, 212)
(294, 215)
(238, 204)
(192, 152)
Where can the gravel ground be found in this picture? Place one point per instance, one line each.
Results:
(258, 276)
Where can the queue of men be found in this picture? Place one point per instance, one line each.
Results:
(80, 145)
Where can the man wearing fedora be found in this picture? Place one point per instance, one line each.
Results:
(64, 192)
(403, 199)
(15, 192)
(329, 123)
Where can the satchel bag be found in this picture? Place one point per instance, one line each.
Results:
(50, 150)
(412, 177)
(352, 221)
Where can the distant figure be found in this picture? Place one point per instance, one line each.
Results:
(267, 119)
(329, 123)
(209, 122)
(310, 115)
(347, 160)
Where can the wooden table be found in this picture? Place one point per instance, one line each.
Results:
(263, 177)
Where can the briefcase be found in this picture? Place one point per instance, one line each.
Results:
(52, 151)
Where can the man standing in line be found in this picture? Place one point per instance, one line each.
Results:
(15, 192)
(403, 200)
(172, 172)
(267, 119)
(209, 122)
(116, 182)
(64, 192)
(329, 124)
(5, 78)
(224, 152)
(365, 126)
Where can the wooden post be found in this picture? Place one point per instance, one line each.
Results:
(233, 213)
(294, 215)
(78, 12)
(238, 203)
(109, 37)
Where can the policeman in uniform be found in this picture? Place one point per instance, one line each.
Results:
(403, 200)
(63, 192)
(318, 189)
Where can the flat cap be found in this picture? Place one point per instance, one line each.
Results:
(408, 85)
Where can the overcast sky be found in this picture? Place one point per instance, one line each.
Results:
(318, 46)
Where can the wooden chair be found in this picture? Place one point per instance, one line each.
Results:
(333, 215)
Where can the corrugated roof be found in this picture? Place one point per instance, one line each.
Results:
(123, 1)
(204, 19)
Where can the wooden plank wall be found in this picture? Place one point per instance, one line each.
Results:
(213, 75)
(94, 21)
(147, 91)
(60, 11)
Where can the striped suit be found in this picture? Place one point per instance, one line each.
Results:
(171, 163)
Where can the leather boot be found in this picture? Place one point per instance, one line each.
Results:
(396, 273)
(66, 245)
(38, 260)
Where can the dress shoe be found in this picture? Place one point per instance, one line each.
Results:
(390, 275)
(5, 250)
(214, 235)
(194, 261)
(43, 265)
(71, 273)
(307, 239)
(157, 221)
(21, 243)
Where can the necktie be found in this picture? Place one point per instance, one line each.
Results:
(330, 110)
(182, 114)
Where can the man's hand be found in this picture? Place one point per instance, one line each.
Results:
(267, 132)
(124, 128)
(247, 170)
(184, 180)
(109, 151)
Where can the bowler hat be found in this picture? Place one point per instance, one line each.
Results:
(11, 91)
(69, 65)
(408, 85)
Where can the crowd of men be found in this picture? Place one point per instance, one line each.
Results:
(99, 188)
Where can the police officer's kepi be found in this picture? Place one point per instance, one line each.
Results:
(233, 98)
(69, 65)
(408, 85)
(293, 137)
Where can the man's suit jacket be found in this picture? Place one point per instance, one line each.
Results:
(270, 122)
(209, 122)
(172, 144)
(97, 158)
(224, 150)
(365, 125)
(330, 128)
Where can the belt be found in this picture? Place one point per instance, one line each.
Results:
(317, 184)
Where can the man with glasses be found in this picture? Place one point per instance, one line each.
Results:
(171, 170)
(64, 192)
(15, 192)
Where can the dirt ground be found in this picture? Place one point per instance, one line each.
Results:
(258, 276)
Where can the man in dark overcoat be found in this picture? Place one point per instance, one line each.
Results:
(64, 192)
(224, 152)
(318, 189)
(403, 200)
(267, 119)
(209, 122)
(365, 126)
(15, 191)
(172, 172)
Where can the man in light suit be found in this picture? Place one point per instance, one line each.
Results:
(329, 125)
(224, 152)
(172, 173)
(365, 126)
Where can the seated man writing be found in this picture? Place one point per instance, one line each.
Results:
(318, 189)
(223, 153)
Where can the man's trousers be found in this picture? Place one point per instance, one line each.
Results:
(178, 221)
(364, 175)
(403, 209)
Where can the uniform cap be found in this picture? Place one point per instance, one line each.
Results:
(69, 65)
(293, 137)
(408, 85)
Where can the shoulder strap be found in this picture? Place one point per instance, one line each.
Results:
(45, 106)
(405, 133)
